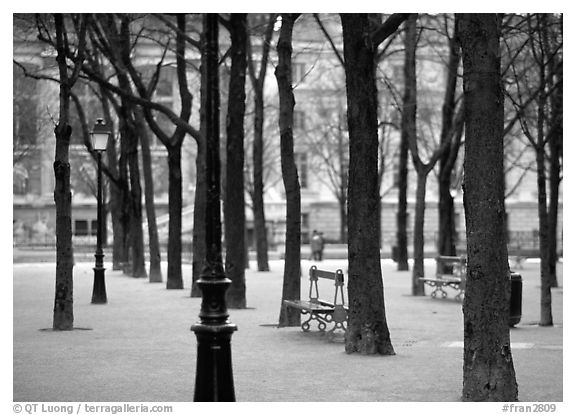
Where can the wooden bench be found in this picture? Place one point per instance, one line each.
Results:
(323, 312)
(456, 280)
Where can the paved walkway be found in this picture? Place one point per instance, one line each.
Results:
(140, 348)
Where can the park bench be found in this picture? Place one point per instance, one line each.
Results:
(324, 312)
(455, 280)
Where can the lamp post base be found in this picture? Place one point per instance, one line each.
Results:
(99, 289)
(214, 380)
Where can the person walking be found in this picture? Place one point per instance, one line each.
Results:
(316, 245)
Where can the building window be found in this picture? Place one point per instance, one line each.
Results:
(24, 103)
(85, 228)
(20, 181)
(301, 160)
(298, 72)
(81, 228)
(299, 120)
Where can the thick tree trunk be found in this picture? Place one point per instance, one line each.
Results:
(174, 278)
(155, 273)
(488, 371)
(418, 268)
(63, 302)
(367, 327)
(234, 205)
(292, 270)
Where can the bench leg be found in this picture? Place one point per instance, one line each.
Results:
(438, 288)
(339, 320)
(306, 324)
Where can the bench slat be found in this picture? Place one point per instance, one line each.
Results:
(309, 305)
(325, 274)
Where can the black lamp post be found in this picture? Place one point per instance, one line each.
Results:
(99, 136)
(214, 380)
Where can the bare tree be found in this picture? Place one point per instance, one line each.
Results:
(234, 206)
(291, 283)
(488, 373)
(536, 76)
(63, 300)
(257, 79)
(367, 327)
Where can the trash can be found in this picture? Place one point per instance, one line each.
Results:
(515, 299)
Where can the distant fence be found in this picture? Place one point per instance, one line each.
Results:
(519, 243)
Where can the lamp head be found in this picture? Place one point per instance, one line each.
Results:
(99, 135)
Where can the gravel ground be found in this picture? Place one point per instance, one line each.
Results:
(139, 347)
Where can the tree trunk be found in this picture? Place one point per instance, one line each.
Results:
(63, 301)
(174, 279)
(555, 145)
(258, 80)
(367, 327)
(118, 256)
(199, 229)
(343, 210)
(446, 218)
(545, 283)
(63, 317)
(292, 271)
(155, 273)
(418, 268)
(488, 371)
(137, 237)
(402, 214)
(234, 205)
(115, 202)
(126, 201)
(554, 181)
(446, 215)
(258, 201)
(341, 197)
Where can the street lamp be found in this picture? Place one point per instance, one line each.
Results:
(99, 136)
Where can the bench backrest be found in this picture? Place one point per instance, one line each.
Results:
(337, 277)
